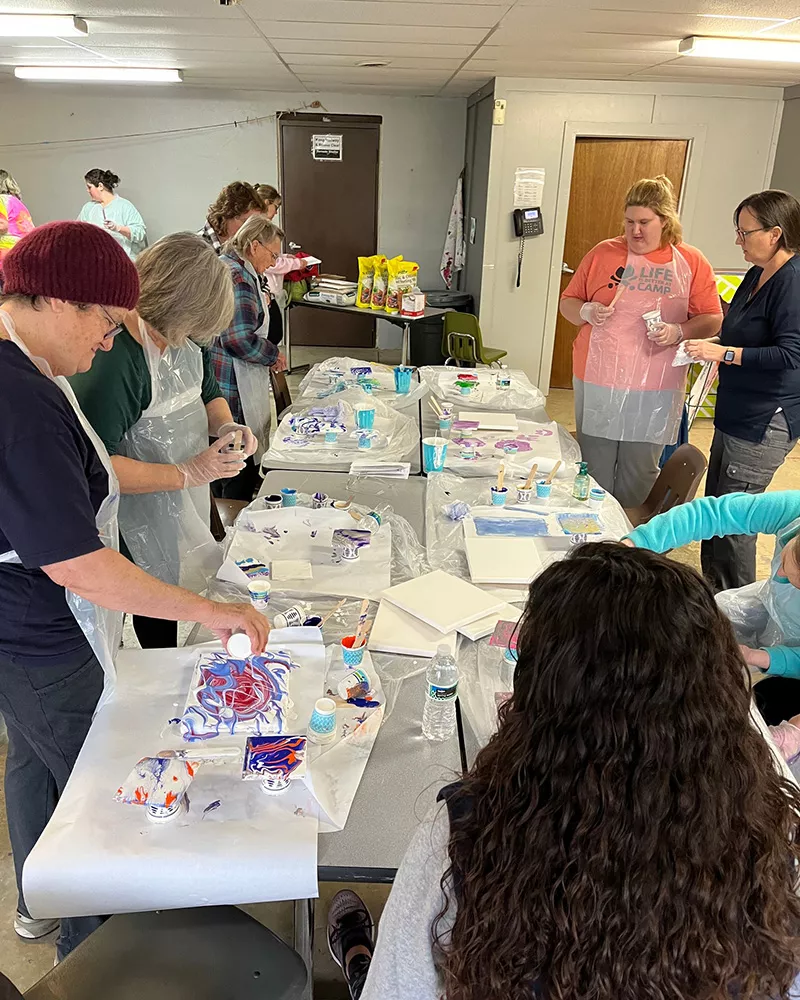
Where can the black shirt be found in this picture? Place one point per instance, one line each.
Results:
(52, 484)
(767, 326)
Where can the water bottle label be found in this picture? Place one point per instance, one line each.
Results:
(442, 693)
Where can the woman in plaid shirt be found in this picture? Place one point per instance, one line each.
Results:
(243, 353)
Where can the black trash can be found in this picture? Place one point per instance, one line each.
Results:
(426, 334)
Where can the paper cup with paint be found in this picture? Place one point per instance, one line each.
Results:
(543, 489)
(349, 541)
(291, 617)
(465, 388)
(315, 621)
(469, 453)
(499, 495)
(402, 380)
(259, 594)
(352, 657)
(331, 437)
(288, 497)
(524, 495)
(273, 501)
(365, 417)
(322, 727)
(510, 448)
(355, 684)
(318, 500)
(364, 440)
(652, 320)
(434, 453)
(239, 646)
(597, 497)
(445, 425)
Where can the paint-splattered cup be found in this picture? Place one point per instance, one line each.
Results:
(365, 417)
(524, 495)
(543, 489)
(352, 657)
(434, 453)
(322, 727)
(402, 380)
(273, 501)
(319, 500)
(288, 497)
(597, 497)
(499, 496)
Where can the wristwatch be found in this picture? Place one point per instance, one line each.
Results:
(729, 356)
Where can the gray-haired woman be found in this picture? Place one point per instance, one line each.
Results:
(243, 354)
(154, 402)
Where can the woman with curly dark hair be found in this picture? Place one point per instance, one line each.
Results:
(626, 834)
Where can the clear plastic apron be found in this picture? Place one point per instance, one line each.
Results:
(767, 613)
(631, 391)
(253, 382)
(101, 626)
(168, 533)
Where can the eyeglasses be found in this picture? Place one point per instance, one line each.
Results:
(742, 234)
(116, 328)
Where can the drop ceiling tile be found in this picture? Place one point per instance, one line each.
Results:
(121, 8)
(765, 75)
(587, 41)
(649, 22)
(366, 77)
(385, 12)
(497, 57)
(298, 61)
(372, 32)
(317, 46)
(759, 9)
(562, 70)
(229, 44)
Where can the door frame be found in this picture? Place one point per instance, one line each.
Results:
(574, 130)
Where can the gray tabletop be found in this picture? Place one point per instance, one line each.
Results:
(405, 771)
(397, 319)
(343, 465)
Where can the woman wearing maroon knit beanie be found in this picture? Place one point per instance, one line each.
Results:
(63, 587)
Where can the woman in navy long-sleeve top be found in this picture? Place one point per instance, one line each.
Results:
(757, 419)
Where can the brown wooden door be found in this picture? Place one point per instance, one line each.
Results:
(330, 207)
(602, 172)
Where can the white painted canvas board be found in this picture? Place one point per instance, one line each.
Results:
(120, 862)
(485, 626)
(442, 600)
(535, 442)
(395, 631)
(488, 421)
(300, 533)
(502, 560)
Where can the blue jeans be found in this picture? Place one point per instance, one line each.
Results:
(47, 705)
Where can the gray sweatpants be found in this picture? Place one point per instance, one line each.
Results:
(626, 469)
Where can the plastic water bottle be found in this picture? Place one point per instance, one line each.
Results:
(441, 687)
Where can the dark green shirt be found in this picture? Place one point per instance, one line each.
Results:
(116, 390)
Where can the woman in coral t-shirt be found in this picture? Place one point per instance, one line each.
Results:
(628, 393)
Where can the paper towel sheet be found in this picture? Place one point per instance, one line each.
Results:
(236, 844)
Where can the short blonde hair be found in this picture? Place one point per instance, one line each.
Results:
(256, 229)
(8, 185)
(658, 194)
(186, 290)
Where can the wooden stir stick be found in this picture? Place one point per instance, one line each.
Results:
(501, 475)
(556, 467)
(531, 474)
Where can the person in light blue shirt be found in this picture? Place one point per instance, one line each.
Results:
(766, 615)
(116, 215)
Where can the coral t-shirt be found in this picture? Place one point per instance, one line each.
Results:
(598, 275)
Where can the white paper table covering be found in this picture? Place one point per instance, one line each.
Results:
(100, 856)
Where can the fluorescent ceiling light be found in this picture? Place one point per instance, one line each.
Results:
(41, 25)
(753, 49)
(98, 74)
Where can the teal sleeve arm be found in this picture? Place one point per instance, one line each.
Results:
(715, 517)
(784, 661)
(211, 389)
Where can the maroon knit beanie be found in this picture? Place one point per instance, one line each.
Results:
(73, 261)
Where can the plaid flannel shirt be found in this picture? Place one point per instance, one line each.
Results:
(209, 234)
(241, 340)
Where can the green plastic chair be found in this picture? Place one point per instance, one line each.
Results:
(462, 341)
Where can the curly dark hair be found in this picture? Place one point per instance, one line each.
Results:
(625, 835)
(233, 200)
(107, 178)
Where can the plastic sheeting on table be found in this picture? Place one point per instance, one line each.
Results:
(322, 383)
(522, 394)
(445, 536)
(540, 443)
(300, 437)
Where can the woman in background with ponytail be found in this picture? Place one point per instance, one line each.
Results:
(628, 395)
(116, 215)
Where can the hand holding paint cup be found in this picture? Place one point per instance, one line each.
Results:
(653, 321)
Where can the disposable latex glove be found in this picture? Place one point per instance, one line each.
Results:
(212, 464)
(112, 226)
(665, 334)
(249, 440)
(595, 313)
(279, 364)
